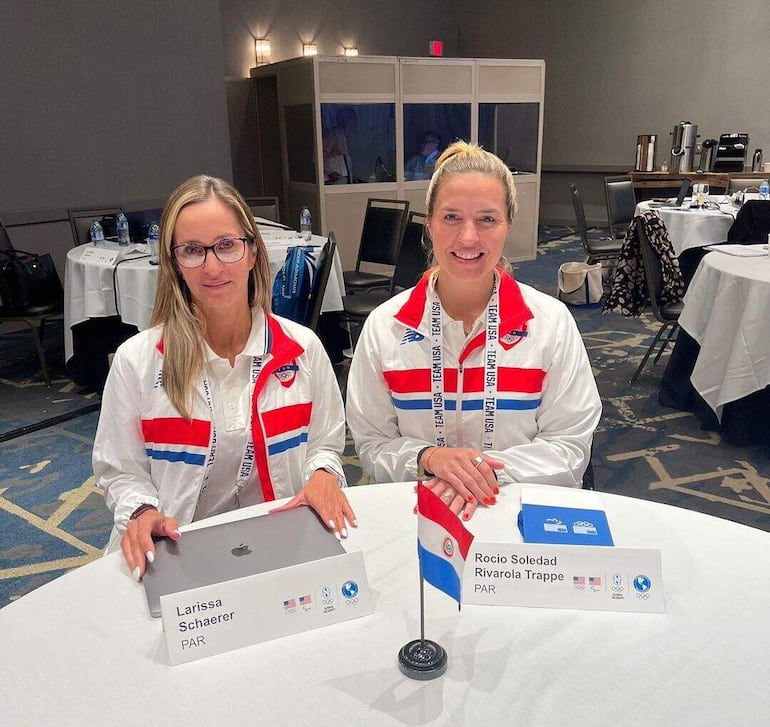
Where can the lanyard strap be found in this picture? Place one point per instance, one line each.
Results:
(490, 371)
(247, 460)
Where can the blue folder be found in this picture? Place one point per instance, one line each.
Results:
(564, 525)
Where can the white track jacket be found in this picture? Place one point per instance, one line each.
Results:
(145, 452)
(547, 404)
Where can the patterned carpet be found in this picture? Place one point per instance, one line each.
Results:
(52, 519)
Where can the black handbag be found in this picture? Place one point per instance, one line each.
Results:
(28, 281)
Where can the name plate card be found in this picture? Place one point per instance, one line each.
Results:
(225, 616)
(100, 255)
(564, 576)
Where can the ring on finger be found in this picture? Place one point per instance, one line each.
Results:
(478, 461)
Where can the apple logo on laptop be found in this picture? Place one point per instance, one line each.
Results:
(240, 550)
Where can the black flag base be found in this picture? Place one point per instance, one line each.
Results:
(422, 659)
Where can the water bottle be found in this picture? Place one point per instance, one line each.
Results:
(122, 224)
(764, 189)
(153, 240)
(305, 224)
(96, 233)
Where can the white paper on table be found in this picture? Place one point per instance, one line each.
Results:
(740, 250)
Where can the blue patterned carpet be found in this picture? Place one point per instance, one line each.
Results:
(52, 519)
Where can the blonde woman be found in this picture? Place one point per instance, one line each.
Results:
(219, 404)
(469, 376)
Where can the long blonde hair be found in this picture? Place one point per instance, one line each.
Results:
(183, 325)
(465, 158)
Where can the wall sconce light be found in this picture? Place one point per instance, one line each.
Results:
(350, 52)
(309, 49)
(262, 46)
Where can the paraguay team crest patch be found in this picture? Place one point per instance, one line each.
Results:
(287, 373)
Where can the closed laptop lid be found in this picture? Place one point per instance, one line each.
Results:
(236, 549)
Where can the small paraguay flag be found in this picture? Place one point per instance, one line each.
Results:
(442, 543)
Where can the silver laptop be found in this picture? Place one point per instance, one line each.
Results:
(236, 549)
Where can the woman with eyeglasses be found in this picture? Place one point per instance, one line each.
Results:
(471, 378)
(220, 404)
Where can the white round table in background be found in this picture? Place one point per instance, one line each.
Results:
(726, 311)
(693, 227)
(127, 289)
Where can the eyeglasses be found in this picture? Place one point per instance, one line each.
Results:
(226, 250)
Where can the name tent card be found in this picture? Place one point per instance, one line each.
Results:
(564, 576)
(100, 255)
(568, 560)
(214, 619)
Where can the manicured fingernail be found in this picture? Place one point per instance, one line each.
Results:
(344, 532)
(466, 516)
(150, 556)
(355, 523)
(493, 501)
(176, 532)
(470, 498)
(496, 490)
(337, 535)
(330, 523)
(487, 501)
(137, 574)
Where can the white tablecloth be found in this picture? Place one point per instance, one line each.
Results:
(90, 292)
(689, 228)
(83, 651)
(726, 310)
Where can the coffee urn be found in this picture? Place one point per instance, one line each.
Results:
(683, 147)
(707, 153)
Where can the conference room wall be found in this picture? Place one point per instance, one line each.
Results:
(618, 69)
(105, 102)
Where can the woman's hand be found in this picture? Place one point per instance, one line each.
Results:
(324, 494)
(136, 543)
(456, 503)
(469, 472)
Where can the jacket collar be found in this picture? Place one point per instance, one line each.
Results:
(277, 342)
(514, 312)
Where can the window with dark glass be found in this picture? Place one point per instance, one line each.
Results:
(359, 142)
(428, 129)
(510, 131)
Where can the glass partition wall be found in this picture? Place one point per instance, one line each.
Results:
(373, 126)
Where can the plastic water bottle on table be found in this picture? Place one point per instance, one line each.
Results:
(153, 240)
(96, 233)
(306, 224)
(122, 224)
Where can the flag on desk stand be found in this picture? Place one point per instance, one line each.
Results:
(442, 543)
(442, 547)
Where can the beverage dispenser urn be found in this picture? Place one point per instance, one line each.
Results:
(683, 147)
(707, 153)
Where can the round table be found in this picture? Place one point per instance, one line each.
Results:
(726, 312)
(83, 651)
(127, 288)
(693, 227)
